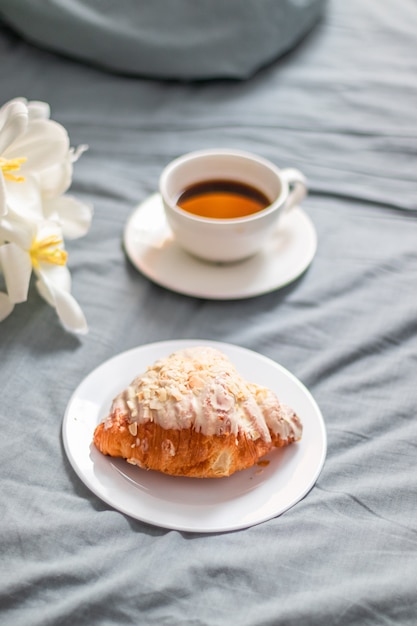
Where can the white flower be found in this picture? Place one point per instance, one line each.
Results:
(39, 248)
(36, 166)
(29, 144)
(13, 123)
(73, 216)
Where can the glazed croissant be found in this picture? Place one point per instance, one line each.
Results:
(192, 414)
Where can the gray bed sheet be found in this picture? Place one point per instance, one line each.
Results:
(342, 107)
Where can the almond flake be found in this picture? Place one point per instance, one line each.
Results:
(133, 429)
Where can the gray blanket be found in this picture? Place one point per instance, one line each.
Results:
(341, 107)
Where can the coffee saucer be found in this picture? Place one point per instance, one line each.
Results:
(151, 247)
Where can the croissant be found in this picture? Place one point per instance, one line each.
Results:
(192, 414)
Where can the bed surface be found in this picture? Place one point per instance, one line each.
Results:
(341, 107)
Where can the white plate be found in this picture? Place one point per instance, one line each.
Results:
(191, 504)
(150, 245)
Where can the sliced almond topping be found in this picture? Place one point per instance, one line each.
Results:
(175, 393)
(133, 429)
(195, 382)
(162, 394)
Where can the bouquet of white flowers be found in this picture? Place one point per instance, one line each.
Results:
(36, 163)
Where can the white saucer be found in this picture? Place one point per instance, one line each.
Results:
(150, 246)
(190, 504)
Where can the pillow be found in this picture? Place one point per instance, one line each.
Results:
(172, 39)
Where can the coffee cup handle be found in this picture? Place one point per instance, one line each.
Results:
(297, 185)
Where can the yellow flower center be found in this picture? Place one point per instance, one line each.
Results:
(8, 166)
(48, 251)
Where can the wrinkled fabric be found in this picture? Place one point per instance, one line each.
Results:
(341, 108)
(169, 39)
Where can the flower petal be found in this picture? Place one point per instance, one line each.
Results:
(18, 231)
(38, 110)
(58, 275)
(48, 228)
(56, 179)
(6, 306)
(3, 197)
(13, 123)
(67, 308)
(73, 216)
(24, 198)
(17, 269)
(44, 144)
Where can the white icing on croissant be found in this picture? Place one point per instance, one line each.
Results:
(199, 388)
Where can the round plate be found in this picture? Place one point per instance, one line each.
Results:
(151, 247)
(244, 499)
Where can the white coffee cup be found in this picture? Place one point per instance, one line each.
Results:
(223, 240)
